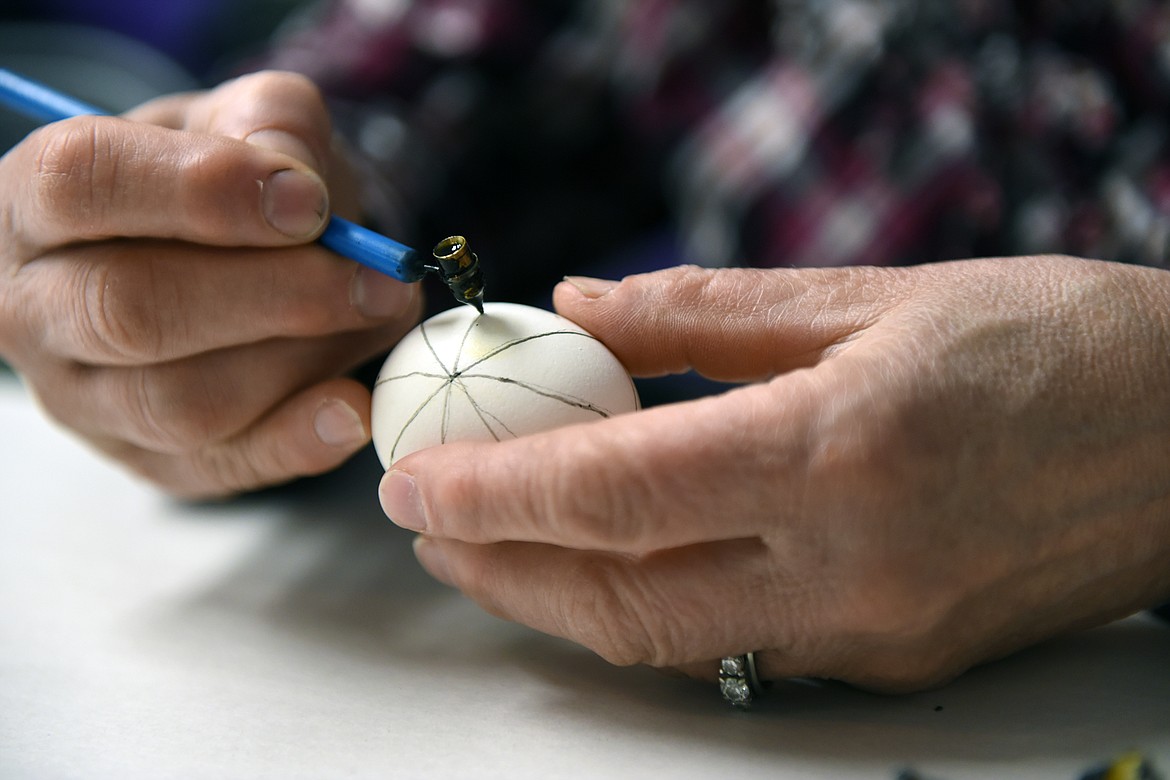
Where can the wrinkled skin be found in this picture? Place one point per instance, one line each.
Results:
(160, 294)
(933, 467)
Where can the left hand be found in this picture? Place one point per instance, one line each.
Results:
(935, 466)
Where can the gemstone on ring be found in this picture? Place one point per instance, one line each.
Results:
(736, 691)
(738, 680)
(733, 666)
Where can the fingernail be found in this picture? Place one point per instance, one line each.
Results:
(401, 501)
(338, 425)
(285, 143)
(377, 296)
(590, 287)
(433, 559)
(294, 203)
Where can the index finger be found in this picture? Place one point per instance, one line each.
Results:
(92, 178)
(731, 324)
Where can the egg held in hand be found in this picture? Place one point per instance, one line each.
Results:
(511, 371)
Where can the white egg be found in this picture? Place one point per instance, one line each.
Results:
(513, 371)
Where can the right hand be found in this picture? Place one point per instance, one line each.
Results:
(161, 294)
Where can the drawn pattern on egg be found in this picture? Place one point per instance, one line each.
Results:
(466, 378)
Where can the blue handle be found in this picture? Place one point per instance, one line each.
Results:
(37, 101)
(371, 249)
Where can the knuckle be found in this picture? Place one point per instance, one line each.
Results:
(73, 171)
(684, 284)
(725, 290)
(600, 623)
(114, 318)
(616, 618)
(221, 472)
(174, 409)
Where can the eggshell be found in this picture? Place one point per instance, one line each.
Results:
(513, 371)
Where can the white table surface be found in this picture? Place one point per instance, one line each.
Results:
(292, 635)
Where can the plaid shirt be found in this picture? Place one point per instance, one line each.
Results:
(607, 136)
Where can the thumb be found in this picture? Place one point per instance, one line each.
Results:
(729, 324)
(276, 110)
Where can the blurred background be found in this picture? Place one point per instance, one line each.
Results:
(117, 53)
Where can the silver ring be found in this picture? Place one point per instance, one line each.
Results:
(738, 681)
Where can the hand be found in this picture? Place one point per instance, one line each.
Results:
(160, 294)
(935, 466)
